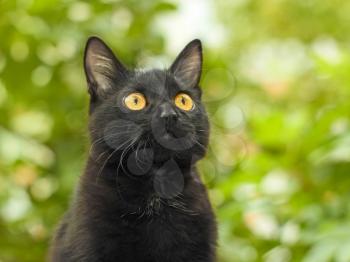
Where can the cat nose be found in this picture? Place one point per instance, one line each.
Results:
(167, 111)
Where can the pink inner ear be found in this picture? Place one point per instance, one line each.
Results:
(188, 65)
(101, 65)
(189, 70)
(102, 68)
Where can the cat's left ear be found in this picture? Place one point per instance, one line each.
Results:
(187, 67)
(102, 68)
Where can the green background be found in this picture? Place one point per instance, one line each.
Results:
(276, 84)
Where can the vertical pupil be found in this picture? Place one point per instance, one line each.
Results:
(183, 100)
(136, 100)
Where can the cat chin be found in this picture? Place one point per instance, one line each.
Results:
(161, 158)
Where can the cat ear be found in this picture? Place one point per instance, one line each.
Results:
(102, 69)
(187, 67)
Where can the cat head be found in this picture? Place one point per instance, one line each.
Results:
(147, 116)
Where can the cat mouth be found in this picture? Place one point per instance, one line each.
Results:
(175, 140)
(175, 132)
(170, 134)
(174, 135)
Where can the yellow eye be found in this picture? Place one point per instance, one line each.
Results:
(184, 102)
(135, 101)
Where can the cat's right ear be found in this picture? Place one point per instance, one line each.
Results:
(102, 69)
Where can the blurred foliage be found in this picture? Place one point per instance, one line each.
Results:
(276, 84)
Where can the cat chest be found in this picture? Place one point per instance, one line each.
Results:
(171, 234)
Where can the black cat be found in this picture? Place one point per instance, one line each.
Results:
(140, 198)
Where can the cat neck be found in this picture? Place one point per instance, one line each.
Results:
(133, 194)
(108, 172)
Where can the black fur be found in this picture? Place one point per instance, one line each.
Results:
(140, 198)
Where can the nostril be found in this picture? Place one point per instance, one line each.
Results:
(170, 121)
(167, 112)
(169, 117)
